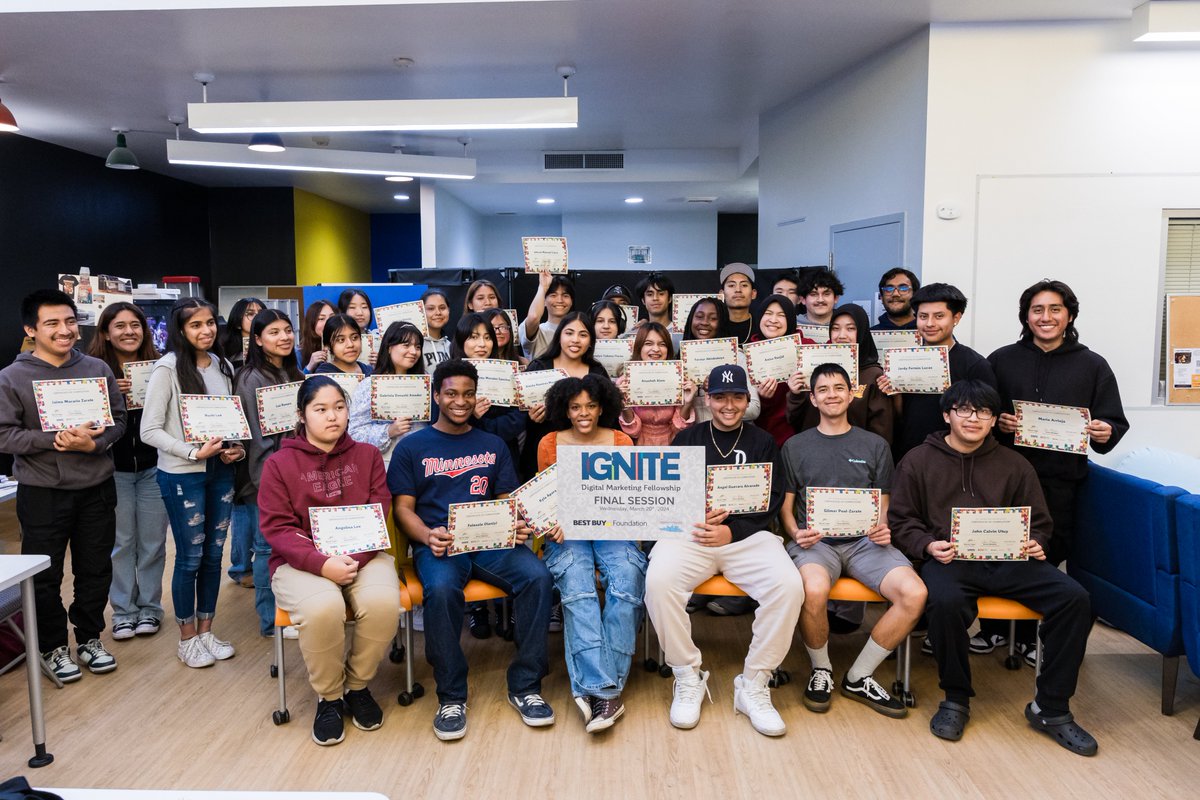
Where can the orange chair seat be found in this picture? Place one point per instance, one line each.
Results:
(1003, 608)
(846, 589)
(412, 594)
(283, 619)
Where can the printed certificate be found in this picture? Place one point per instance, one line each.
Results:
(631, 317)
(497, 380)
(138, 375)
(70, 402)
(413, 311)
(485, 525)
(772, 358)
(681, 306)
(370, 347)
(812, 356)
(654, 383)
(212, 416)
(537, 500)
(612, 354)
(701, 356)
(1051, 427)
(738, 488)
(512, 320)
(837, 512)
(399, 397)
(545, 254)
(277, 407)
(989, 534)
(918, 370)
(532, 386)
(890, 340)
(346, 530)
(818, 333)
(349, 381)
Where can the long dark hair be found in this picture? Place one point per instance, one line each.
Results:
(473, 289)
(104, 350)
(256, 358)
(509, 351)
(618, 314)
(600, 389)
(466, 326)
(348, 295)
(231, 335)
(398, 333)
(310, 342)
(689, 333)
(333, 327)
(652, 327)
(555, 349)
(308, 390)
(190, 381)
(789, 311)
(1070, 302)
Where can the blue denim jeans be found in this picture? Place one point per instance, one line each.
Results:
(599, 642)
(518, 572)
(241, 538)
(199, 505)
(140, 548)
(264, 598)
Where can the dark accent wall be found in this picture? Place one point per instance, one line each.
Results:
(252, 237)
(737, 239)
(395, 244)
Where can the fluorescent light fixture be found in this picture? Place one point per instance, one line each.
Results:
(311, 159)
(633, 200)
(1159, 21)
(398, 178)
(400, 197)
(545, 201)
(326, 116)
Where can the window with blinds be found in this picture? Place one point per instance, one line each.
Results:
(1182, 273)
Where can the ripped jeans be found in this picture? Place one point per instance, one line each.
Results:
(199, 505)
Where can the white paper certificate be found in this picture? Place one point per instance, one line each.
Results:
(370, 347)
(212, 416)
(681, 306)
(486, 525)
(812, 356)
(738, 488)
(1051, 427)
(71, 402)
(349, 381)
(631, 317)
(532, 386)
(346, 530)
(545, 254)
(513, 320)
(413, 311)
(612, 354)
(890, 340)
(138, 375)
(701, 356)
(537, 500)
(838, 512)
(918, 370)
(497, 380)
(772, 358)
(399, 397)
(989, 534)
(654, 383)
(277, 407)
(818, 333)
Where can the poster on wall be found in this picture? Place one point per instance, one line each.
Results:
(639, 254)
(1185, 365)
(92, 293)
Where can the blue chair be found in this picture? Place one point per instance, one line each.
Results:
(1126, 554)
(1188, 518)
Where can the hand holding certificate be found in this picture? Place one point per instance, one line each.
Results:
(545, 254)
(701, 356)
(612, 354)
(890, 340)
(212, 416)
(497, 380)
(485, 525)
(1051, 427)
(818, 333)
(989, 534)
(413, 311)
(918, 370)
(72, 402)
(346, 530)
(654, 383)
(138, 375)
(399, 397)
(841, 513)
(537, 500)
(772, 358)
(277, 407)
(738, 488)
(532, 386)
(812, 356)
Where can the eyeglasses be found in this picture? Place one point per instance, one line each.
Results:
(903, 288)
(965, 412)
(498, 328)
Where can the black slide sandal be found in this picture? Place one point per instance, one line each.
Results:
(950, 721)
(1064, 730)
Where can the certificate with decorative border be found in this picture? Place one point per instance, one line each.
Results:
(812, 356)
(1052, 427)
(918, 370)
(989, 534)
(349, 381)
(631, 317)
(532, 386)
(537, 500)
(654, 383)
(485, 525)
(738, 488)
(69, 402)
(346, 530)
(545, 254)
(513, 320)
(612, 354)
(138, 375)
(497, 380)
(681, 306)
(701, 356)
(400, 397)
(818, 333)
(890, 340)
(840, 512)
(413, 311)
(212, 416)
(370, 346)
(772, 358)
(277, 407)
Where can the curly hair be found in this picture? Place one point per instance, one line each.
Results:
(598, 387)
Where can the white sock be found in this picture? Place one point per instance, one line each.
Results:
(868, 661)
(819, 658)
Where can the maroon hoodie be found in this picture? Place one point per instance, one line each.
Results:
(300, 476)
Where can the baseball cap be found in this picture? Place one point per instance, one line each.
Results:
(736, 268)
(726, 379)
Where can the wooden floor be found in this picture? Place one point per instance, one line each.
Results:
(156, 724)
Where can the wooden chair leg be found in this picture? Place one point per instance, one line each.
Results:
(1170, 678)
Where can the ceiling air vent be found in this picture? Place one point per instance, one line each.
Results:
(581, 162)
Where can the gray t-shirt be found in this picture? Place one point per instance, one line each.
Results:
(857, 459)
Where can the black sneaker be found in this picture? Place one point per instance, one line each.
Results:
(535, 712)
(556, 618)
(819, 690)
(604, 714)
(365, 713)
(1029, 651)
(93, 656)
(730, 606)
(450, 722)
(328, 727)
(477, 621)
(870, 693)
(984, 643)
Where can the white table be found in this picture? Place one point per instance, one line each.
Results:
(182, 794)
(21, 569)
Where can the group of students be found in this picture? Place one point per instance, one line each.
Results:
(925, 453)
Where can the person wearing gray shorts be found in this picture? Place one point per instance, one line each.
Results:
(837, 455)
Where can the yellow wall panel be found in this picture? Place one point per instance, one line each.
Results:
(333, 241)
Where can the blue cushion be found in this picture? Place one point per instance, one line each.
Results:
(1188, 520)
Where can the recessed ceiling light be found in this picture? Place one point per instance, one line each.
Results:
(400, 196)
(545, 201)
(398, 178)
(633, 200)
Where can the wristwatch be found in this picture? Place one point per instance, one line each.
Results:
(192, 455)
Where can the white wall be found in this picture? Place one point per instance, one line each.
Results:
(1062, 144)
(851, 149)
(502, 237)
(683, 240)
(458, 231)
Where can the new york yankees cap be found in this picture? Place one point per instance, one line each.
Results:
(728, 378)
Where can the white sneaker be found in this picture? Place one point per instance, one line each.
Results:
(418, 619)
(193, 653)
(691, 685)
(220, 650)
(290, 632)
(752, 697)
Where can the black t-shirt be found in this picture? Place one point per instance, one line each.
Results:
(742, 330)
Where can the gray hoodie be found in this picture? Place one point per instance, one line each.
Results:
(36, 462)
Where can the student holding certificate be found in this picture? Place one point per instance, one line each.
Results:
(399, 354)
(656, 425)
(237, 329)
(316, 589)
(506, 347)
(599, 641)
(356, 304)
(475, 338)
(65, 494)
(140, 549)
(342, 338)
(451, 462)
(607, 319)
(705, 322)
(837, 455)
(436, 348)
(556, 297)
(967, 468)
(481, 295)
(312, 349)
(776, 318)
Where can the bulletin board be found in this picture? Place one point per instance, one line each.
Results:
(1183, 349)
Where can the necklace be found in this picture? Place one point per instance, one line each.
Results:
(735, 441)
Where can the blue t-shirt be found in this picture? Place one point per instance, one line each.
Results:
(441, 468)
